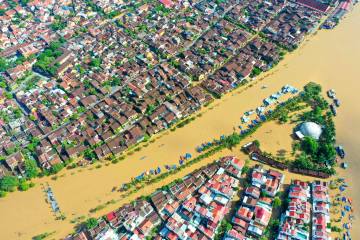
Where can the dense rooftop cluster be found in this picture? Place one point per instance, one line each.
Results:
(321, 210)
(254, 213)
(201, 206)
(190, 208)
(295, 221)
(309, 205)
(88, 79)
(293, 22)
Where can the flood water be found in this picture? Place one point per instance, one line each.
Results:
(331, 58)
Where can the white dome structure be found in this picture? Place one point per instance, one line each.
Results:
(311, 129)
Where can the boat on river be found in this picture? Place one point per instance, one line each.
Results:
(331, 93)
(333, 109)
(340, 151)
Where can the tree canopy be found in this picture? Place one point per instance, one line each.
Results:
(310, 145)
(9, 183)
(31, 168)
(56, 168)
(3, 64)
(91, 223)
(47, 57)
(95, 62)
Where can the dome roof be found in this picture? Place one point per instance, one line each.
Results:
(311, 129)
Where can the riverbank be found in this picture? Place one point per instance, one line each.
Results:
(329, 58)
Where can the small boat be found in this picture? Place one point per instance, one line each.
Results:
(248, 113)
(344, 166)
(188, 156)
(331, 93)
(337, 102)
(340, 151)
(244, 119)
(333, 109)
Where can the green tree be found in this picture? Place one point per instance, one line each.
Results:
(277, 202)
(115, 81)
(95, 62)
(3, 64)
(302, 161)
(24, 2)
(257, 143)
(150, 109)
(33, 142)
(284, 117)
(54, 45)
(31, 168)
(9, 183)
(256, 71)
(310, 145)
(56, 168)
(312, 88)
(327, 151)
(232, 140)
(3, 84)
(8, 95)
(91, 223)
(2, 194)
(23, 185)
(89, 154)
(17, 113)
(32, 117)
